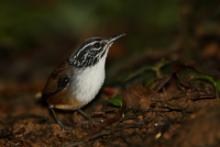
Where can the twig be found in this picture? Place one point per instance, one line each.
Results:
(204, 97)
(106, 132)
(93, 137)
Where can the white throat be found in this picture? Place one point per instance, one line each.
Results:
(89, 81)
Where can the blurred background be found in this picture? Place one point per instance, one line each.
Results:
(36, 35)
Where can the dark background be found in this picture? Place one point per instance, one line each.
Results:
(36, 35)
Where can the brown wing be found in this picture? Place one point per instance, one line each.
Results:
(58, 81)
(57, 91)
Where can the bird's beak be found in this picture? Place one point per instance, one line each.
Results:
(112, 39)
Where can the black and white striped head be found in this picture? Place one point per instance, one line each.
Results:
(91, 51)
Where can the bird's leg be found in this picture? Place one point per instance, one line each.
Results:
(88, 117)
(84, 114)
(53, 113)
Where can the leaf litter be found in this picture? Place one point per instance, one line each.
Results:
(169, 104)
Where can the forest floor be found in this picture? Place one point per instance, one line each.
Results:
(170, 103)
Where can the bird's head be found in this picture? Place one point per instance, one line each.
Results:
(91, 51)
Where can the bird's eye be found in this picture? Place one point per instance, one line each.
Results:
(97, 45)
(63, 81)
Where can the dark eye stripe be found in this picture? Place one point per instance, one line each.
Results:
(97, 45)
(87, 43)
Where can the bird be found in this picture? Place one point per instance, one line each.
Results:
(79, 78)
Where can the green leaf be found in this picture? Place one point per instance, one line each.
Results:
(210, 79)
(116, 101)
(158, 66)
(218, 85)
(148, 73)
(205, 78)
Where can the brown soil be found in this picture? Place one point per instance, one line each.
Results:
(171, 112)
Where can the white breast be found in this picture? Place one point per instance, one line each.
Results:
(89, 82)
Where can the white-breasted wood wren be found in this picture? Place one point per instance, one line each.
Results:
(78, 79)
